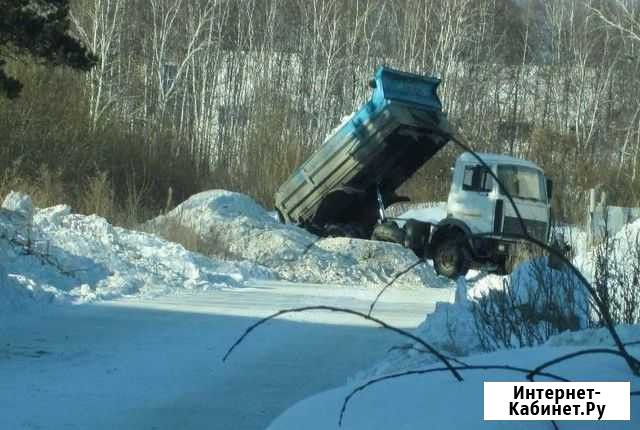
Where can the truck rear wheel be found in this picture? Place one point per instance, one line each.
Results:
(451, 258)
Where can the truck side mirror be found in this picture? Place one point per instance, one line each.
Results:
(549, 188)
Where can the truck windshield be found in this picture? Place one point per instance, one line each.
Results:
(523, 182)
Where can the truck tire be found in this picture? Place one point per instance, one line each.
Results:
(416, 233)
(388, 232)
(451, 257)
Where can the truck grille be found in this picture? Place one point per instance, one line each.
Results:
(537, 229)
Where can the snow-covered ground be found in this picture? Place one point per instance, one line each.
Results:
(155, 363)
(103, 327)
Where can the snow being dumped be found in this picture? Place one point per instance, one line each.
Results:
(53, 254)
(250, 233)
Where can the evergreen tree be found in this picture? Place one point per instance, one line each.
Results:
(39, 30)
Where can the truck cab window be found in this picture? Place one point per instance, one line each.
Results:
(476, 178)
(523, 182)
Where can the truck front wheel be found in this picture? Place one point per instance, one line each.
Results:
(450, 258)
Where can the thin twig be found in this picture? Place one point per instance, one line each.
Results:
(394, 279)
(565, 357)
(424, 351)
(351, 312)
(435, 370)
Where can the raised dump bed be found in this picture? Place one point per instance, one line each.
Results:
(378, 148)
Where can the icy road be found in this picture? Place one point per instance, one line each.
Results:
(156, 363)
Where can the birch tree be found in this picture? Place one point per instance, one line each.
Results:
(99, 22)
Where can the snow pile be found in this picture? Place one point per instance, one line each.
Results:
(53, 254)
(556, 300)
(535, 283)
(453, 328)
(16, 291)
(622, 251)
(438, 401)
(17, 288)
(614, 266)
(249, 233)
(572, 235)
(628, 238)
(20, 204)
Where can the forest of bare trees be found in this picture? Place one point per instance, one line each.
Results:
(195, 94)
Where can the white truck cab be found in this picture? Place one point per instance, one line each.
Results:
(481, 225)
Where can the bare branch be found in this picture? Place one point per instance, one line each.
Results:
(565, 357)
(437, 370)
(424, 351)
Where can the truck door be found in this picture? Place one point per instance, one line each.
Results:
(527, 187)
(472, 203)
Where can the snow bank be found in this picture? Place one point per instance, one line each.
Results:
(439, 401)
(628, 237)
(437, 398)
(624, 248)
(251, 233)
(534, 282)
(596, 337)
(52, 254)
(452, 327)
(16, 291)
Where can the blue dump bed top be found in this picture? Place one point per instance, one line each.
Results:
(391, 136)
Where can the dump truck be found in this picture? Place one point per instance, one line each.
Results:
(344, 187)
